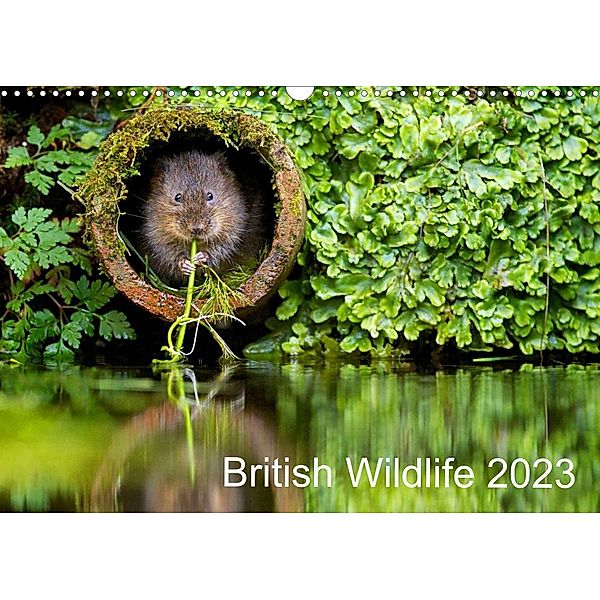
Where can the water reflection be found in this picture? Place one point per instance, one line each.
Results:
(170, 457)
(138, 440)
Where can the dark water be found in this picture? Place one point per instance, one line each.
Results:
(98, 439)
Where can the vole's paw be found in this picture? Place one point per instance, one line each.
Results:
(186, 266)
(200, 259)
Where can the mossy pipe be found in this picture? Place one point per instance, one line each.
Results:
(105, 186)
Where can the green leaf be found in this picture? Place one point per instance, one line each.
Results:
(57, 132)
(35, 217)
(289, 307)
(57, 353)
(353, 143)
(57, 255)
(39, 181)
(94, 295)
(409, 135)
(44, 325)
(574, 147)
(430, 290)
(19, 217)
(51, 234)
(17, 261)
(17, 157)
(83, 321)
(115, 324)
(35, 136)
(5, 241)
(71, 334)
(90, 139)
(475, 183)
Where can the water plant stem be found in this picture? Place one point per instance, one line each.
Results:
(188, 303)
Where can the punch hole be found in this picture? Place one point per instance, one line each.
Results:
(301, 93)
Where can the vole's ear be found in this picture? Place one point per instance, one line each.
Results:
(220, 158)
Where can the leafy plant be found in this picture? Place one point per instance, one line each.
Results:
(470, 221)
(439, 217)
(49, 311)
(60, 155)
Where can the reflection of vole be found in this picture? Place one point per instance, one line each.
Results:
(197, 196)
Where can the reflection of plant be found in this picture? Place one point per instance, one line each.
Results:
(473, 415)
(60, 155)
(49, 311)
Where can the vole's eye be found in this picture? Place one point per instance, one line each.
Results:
(178, 197)
(209, 197)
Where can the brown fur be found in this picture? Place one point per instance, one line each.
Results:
(228, 229)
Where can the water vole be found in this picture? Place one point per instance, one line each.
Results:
(193, 195)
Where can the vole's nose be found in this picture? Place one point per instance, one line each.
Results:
(197, 229)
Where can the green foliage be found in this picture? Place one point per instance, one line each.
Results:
(43, 259)
(64, 154)
(470, 221)
(453, 220)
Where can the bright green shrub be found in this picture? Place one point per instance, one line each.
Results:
(473, 221)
